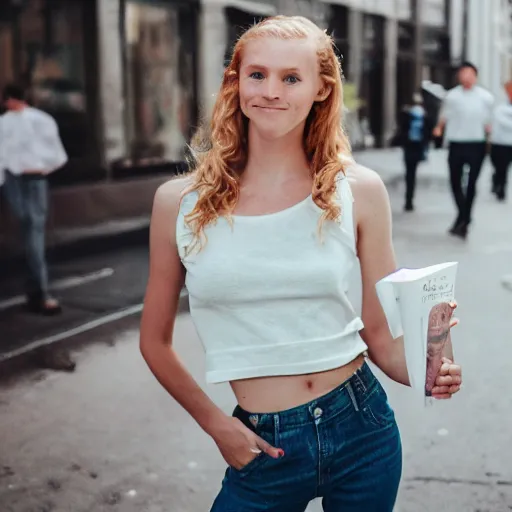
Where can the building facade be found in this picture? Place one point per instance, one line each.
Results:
(128, 81)
(487, 35)
(120, 78)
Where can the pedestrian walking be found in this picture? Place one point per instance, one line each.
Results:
(416, 131)
(466, 121)
(30, 149)
(501, 144)
(265, 232)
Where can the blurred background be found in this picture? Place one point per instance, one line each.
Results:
(128, 82)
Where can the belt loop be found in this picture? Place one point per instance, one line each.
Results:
(360, 381)
(352, 395)
(276, 429)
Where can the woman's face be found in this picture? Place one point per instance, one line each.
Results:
(279, 82)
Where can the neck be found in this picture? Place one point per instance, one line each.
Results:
(468, 87)
(19, 107)
(273, 161)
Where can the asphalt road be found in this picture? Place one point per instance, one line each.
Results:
(107, 438)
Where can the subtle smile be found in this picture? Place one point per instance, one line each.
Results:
(270, 109)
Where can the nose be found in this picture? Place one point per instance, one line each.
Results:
(272, 88)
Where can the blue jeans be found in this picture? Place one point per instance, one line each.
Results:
(344, 447)
(27, 197)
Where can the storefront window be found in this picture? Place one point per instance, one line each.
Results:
(338, 29)
(159, 82)
(43, 48)
(51, 40)
(238, 22)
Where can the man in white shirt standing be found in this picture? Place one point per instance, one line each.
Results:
(465, 118)
(30, 149)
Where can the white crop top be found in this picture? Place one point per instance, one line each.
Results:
(268, 296)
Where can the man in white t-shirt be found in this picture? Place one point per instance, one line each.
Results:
(465, 118)
(30, 149)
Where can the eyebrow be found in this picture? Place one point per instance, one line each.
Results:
(264, 68)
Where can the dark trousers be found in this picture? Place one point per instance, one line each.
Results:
(460, 154)
(27, 198)
(501, 157)
(413, 155)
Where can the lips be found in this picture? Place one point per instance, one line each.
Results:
(269, 109)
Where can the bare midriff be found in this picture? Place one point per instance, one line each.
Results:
(274, 394)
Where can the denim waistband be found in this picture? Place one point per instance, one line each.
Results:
(347, 395)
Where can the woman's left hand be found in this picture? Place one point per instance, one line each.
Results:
(448, 380)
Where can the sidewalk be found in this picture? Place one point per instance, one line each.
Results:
(389, 164)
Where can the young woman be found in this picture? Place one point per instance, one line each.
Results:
(266, 233)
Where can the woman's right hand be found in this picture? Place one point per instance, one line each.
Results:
(239, 445)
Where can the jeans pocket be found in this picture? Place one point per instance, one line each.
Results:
(261, 458)
(377, 411)
(254, 464)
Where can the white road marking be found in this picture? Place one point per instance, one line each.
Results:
(61, 284)
(88, 326)
(112, 317)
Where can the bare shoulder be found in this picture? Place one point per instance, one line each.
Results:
(371, 200)
(169, 195)
(365, 183)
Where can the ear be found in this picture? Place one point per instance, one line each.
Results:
(323, 93)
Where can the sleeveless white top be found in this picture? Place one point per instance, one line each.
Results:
(268, 295)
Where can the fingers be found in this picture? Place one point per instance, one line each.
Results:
(448, 380)
(446, 396)
(448, 368)
(275, 453)
(441, 390)
(454, 322)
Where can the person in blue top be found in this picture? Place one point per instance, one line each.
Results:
(415, 127)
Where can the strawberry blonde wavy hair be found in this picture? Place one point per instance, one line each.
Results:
(221, 153)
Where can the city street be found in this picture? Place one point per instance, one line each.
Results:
(107, 438)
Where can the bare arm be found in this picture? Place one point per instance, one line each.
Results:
(236, 442)
(166, 277)
(376, 254)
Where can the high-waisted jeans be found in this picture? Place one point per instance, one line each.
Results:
(344, 447)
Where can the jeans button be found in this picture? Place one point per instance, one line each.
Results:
(317, 413)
